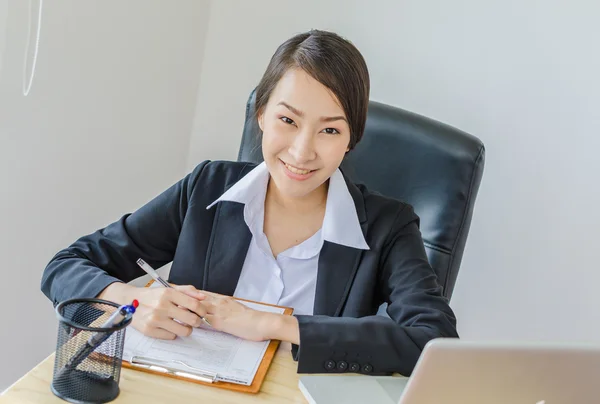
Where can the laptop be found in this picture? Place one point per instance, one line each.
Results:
(453, 371)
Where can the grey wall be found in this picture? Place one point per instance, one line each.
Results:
(105, 128)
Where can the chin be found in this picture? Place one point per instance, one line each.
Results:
(291, 190)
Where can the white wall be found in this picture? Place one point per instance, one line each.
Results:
(105, 128)
(521, 75)
(3, 15)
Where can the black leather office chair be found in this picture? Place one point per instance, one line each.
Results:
(432, 166)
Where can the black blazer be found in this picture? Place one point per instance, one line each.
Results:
(208, 247)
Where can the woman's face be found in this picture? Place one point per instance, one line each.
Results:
(305, 134)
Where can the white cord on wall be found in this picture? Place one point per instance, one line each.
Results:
(28, 82)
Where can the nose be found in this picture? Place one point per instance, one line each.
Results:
(302, 148)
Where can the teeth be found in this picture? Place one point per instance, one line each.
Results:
(296, 170)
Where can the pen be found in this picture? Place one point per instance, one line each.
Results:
(150, 271)
(121, 315)
(118, 317)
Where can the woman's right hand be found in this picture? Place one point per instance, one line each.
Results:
(160, 308)
(162, 313)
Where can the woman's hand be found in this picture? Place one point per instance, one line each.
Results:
(228, 315)
(166, 313)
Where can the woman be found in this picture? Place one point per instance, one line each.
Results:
(291, 231)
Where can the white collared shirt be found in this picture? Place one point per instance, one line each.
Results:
(290, 279)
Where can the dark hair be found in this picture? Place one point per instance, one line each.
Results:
(331, 60)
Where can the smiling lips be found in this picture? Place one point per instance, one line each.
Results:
(296, 170)
(297, 173)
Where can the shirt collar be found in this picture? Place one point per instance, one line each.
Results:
(340, 224)
(248, 187)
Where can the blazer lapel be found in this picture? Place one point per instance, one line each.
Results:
(338, 265)
(227, 249)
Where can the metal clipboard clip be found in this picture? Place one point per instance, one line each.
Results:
(162, 366)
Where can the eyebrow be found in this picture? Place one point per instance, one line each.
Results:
(322, 119)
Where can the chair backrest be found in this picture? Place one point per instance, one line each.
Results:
(432, 166)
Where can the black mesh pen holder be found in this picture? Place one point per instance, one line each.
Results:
(82, 374)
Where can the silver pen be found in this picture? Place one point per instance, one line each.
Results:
(152, 272)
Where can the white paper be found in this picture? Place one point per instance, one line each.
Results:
(231, 358)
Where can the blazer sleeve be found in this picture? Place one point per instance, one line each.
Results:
(109, 255)
(417, 309)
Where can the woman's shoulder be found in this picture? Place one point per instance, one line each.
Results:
(211, 178)
(382, 210)
(221, 171)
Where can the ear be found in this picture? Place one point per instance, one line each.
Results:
(260, 121)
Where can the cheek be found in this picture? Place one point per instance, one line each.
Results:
(333, 152)
(274, 139)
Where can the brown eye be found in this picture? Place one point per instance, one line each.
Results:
(331, 131)
(287, 120)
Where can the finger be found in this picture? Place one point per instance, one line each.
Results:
(211, 308)
(211, 294)
(191, 291)
(160, 333)
(185, 316)
(181, 299)
(178, 329)
(146, 328)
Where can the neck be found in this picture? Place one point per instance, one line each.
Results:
(315, 200)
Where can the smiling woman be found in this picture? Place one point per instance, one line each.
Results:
(305, 136)
(292, 231)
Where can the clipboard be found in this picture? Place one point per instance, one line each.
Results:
(200, 377)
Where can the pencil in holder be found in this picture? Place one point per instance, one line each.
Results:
(83, 374)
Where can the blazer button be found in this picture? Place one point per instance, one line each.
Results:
(330, 365)
(354, 367)
(367, 368)
(342, 365)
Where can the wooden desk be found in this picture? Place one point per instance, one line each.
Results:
(280, 386)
